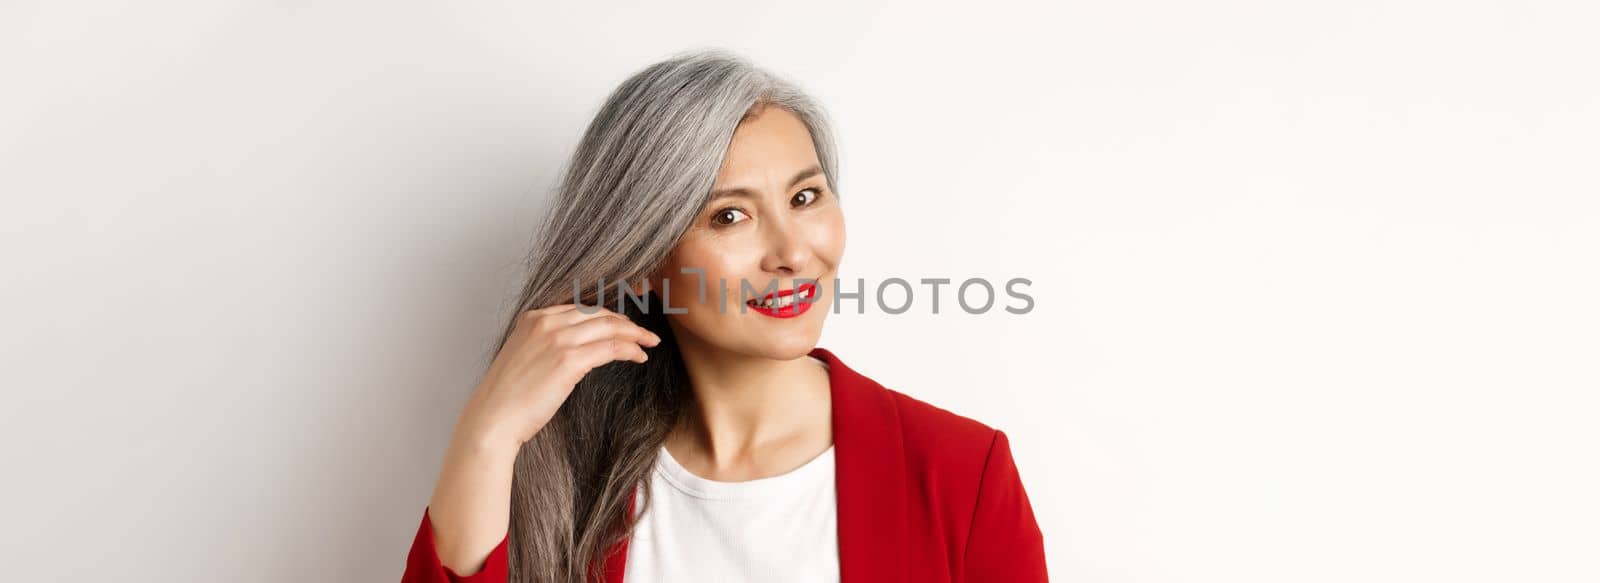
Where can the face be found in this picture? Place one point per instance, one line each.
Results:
(771, 222)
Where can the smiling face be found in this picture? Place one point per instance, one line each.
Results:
(772, 222)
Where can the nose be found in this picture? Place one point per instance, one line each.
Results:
(788, 251)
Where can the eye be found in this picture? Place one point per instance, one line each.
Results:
(815, 193)
(727, 216)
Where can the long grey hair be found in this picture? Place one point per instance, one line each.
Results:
(641, 174)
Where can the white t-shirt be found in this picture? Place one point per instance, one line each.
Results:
(775, 529)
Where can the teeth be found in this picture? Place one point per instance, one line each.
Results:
(787, 300)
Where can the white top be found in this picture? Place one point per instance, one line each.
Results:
(774, 529)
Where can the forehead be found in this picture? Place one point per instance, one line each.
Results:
(769, 147)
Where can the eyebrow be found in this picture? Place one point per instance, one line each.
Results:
(802, 175)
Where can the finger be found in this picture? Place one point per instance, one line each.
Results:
(594, 329)
(546, 313)
(583, 312)
(565, 315)
(606, 350)
(571, 308)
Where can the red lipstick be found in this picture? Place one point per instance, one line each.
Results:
(786, 303)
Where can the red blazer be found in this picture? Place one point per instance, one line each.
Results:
(924, 495)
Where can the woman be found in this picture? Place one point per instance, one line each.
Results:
(698, 434)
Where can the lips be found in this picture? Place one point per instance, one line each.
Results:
(785, 303)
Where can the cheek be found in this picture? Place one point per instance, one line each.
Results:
(720, 264)
(828, 236)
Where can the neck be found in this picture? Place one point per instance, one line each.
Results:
(752, 415)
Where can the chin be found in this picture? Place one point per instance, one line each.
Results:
(787, 347)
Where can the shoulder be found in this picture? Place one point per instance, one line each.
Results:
(933, 439)
(960, 483)
(936, 443)
(964, 468)
(942, 442)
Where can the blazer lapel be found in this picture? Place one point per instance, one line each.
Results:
(870, 476)
(869, 481)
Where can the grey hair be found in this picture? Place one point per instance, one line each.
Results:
(642, 172)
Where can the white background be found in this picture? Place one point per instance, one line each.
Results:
(1314, 281)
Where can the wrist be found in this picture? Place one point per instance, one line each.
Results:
(484, 444)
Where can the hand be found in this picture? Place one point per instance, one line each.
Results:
(548, 352)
